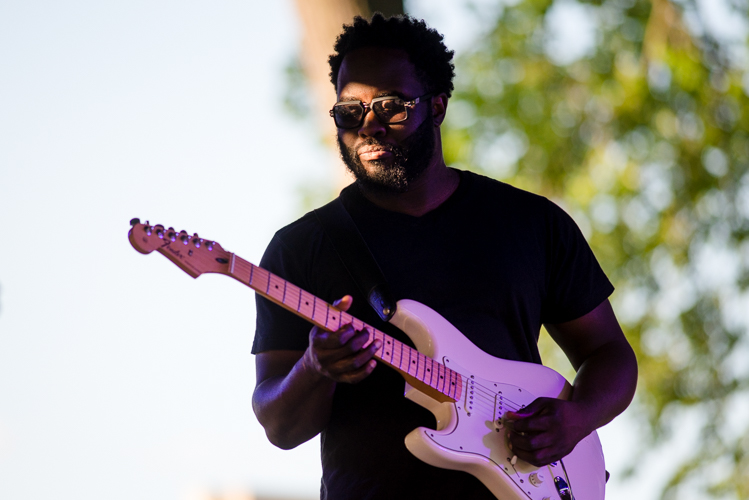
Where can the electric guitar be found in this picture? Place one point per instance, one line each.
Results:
(467, 390)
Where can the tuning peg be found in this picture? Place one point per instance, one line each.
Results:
(185, 239)
(147, 229)
(135, 221)
(209, 245)
(196, 242)
(172, 237)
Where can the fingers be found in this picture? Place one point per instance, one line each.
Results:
(323, 339)
(341, 355)
(343, 303)
(542, 432)
(532, 418)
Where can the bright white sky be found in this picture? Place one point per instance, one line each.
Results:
(120, 376)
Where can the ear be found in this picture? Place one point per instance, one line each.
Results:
(439, 108)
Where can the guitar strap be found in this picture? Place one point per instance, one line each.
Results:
(356, 257)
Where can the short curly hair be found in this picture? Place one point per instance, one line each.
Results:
(430, 57)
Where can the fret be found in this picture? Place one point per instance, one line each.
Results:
(307, 305)
(345, 319)
(274, 288)
(299, 301)
(413, 361)
(430, 371)
(441, 380)
(319, 311)
(436, 376)
(387, 347)
(446, 387)
(420, 360)
(457, 386)
(396, 353)
(260, 280)
(267, 288)
(291, 296)
(333, 320)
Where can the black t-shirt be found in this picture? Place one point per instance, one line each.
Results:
(495, 261)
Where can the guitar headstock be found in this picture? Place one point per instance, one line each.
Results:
(192, 254)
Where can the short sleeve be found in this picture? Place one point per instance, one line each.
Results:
(576, 284)
(276, 328)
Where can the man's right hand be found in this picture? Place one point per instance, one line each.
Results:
(293, 397)
(345, 355)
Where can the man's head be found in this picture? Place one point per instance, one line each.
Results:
(430, 57)
(388, 143)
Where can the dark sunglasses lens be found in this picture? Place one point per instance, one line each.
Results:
(347, 115)
(390, 110)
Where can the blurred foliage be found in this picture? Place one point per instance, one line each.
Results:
(645, 141)
(296, 90)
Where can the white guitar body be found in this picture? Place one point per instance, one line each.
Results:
(470, 435)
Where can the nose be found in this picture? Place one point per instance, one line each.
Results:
(371, 125)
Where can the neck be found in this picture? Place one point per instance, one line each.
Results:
(432, 188)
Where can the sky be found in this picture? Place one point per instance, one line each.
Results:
(120, 376)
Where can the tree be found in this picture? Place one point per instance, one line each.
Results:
(645, 141)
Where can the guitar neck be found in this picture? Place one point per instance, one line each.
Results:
(421, 371)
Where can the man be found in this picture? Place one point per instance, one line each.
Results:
(495, 261)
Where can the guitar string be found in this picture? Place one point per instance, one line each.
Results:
(488, 396)
(488, 399)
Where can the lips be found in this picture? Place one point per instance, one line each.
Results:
(371, 152)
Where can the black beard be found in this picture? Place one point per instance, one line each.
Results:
(409, 160)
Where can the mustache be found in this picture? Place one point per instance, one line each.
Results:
(373, 144)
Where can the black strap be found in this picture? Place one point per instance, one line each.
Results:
(356, 257)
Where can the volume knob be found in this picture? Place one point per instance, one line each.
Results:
(537, 478)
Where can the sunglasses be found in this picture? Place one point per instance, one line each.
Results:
(388, 109)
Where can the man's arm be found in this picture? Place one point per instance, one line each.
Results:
(294, 392)
(548, 429)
